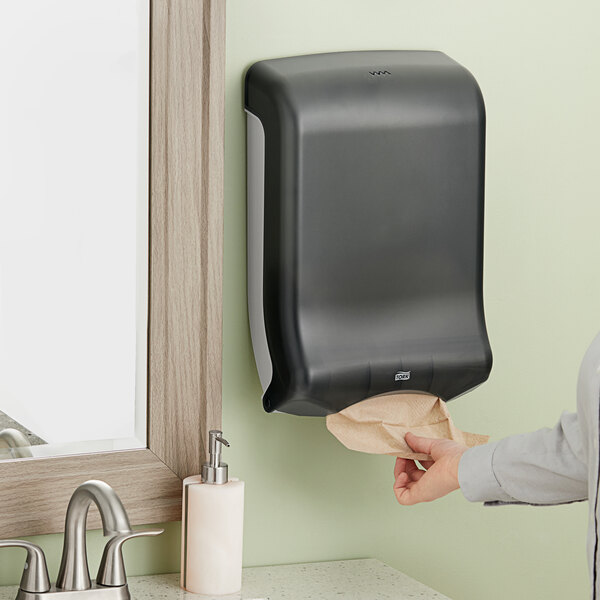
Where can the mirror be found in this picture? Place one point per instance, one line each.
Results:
(74, 140)
(181, 335)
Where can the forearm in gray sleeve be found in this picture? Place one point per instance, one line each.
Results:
(543, 467)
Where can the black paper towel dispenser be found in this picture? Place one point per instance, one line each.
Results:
(365, 228)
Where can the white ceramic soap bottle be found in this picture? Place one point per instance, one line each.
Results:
(213, 521)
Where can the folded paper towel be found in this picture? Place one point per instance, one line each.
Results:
(378, 425)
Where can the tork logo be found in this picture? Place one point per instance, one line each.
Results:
(402, 376)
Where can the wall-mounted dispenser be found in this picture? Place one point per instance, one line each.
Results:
(365, 228)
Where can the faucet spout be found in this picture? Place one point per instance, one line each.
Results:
(74, 573)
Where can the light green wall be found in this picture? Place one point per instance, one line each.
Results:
(310, 499)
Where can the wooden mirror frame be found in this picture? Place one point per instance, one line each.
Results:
(187, 72)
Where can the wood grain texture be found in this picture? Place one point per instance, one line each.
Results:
(35, 492)
(185, 277)
(186, 237)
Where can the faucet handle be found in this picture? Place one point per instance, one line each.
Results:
(111, 572)
(35, 573)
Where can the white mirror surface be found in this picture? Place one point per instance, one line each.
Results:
(73, 224)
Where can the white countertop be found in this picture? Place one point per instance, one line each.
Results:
(365, 579)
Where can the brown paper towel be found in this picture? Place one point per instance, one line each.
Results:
(378, 425)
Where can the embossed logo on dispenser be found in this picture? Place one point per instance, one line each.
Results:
(402, 376)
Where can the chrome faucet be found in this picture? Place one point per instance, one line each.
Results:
(73, 575)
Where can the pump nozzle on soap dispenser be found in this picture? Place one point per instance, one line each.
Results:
(215, 471)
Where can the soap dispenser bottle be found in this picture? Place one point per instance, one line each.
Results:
(212, 526)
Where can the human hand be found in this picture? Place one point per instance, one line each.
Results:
(440, 477)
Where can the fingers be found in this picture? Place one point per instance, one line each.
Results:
(413, 485)
(405, 480)
(419, 444)
(407, 495)
(399, 467)
(401, 480)
(411, 474)
(406, 485)
(423, 486)
(416, 475)
(404, 465)
(413, 491)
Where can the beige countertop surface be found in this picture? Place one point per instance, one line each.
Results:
(363, 579)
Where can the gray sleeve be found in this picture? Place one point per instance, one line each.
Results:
(547, 466)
